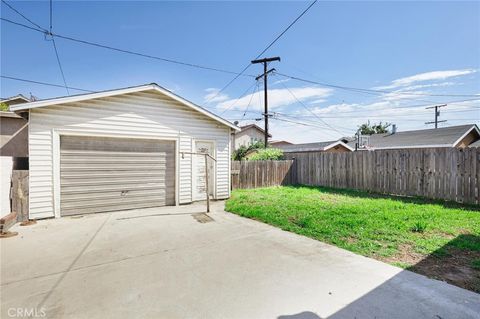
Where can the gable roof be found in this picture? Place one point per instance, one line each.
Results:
(441, 137)
(280, 142)
(133, 89)
(312, 147)
(10, 115)
(16, 97)
(255, 126)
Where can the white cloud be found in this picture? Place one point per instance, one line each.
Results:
(318, 101)
(212, 96)
(346, 117)
(276, 98)
(393, 107)
(280, 81)
(422, 86)
(398, 95)
(427, 76)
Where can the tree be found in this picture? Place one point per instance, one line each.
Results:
(4, 106)
(367, 129)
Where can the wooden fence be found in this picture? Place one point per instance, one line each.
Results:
(439, 173)
(253, 174)
(19, 194)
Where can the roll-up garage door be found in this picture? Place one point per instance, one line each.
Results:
(100, 174)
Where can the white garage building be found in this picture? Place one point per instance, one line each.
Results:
(123, 149)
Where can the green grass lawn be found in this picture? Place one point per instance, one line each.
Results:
(438, 239)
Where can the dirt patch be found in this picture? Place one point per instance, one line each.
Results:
(454, 266)
(351, 240)
(405, 255)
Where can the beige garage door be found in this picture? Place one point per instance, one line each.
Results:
(108, 174)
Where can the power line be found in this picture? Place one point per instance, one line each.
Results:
(387, 116)
(303, 119)
(251, 98)
(304, 124)
(103, 46)
(268, 47)
(354, 89)
(308, 109)
(56, 50)
(23, 16)
(412, 106)
(286, 29)
(44, 83)
(238, 99)
(51, 15)
(60, 65)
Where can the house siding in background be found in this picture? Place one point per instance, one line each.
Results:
(249, 134)
(13, 135)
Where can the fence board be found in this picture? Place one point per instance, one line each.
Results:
(254, 174)
(442, 173)
(450, 174)
(19, 194)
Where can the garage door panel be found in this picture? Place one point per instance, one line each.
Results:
(101, 174)
(117, 180)
(107, 208)
(108, 174)
(103, 202)
(112, 187)
(92, 196)
(80, 168)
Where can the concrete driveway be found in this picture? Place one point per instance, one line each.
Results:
(164, 263)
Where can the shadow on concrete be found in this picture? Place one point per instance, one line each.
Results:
(411, 295)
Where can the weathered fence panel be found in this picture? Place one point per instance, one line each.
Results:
(19, 194)
(253, 174)
(437, 173)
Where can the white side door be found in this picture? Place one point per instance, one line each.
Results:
(199, 185)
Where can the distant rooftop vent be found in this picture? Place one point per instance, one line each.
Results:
(394, 128)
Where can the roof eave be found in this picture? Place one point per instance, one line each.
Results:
(474, 127)
(142, 88)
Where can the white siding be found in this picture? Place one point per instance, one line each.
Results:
(146, 114)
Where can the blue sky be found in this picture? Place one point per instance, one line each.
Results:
(420, 47)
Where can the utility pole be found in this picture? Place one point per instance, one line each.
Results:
(264, 75)
(437, 114)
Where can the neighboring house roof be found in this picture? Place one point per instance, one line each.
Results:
(134, 89)
(475, 144)
(440, 137)
(280, 142)
(313, 147)
(254, 126)
(17, 99)
(10, 115)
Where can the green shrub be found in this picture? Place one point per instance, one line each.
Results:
(419, 227)
(240, 153)
(267, 154)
